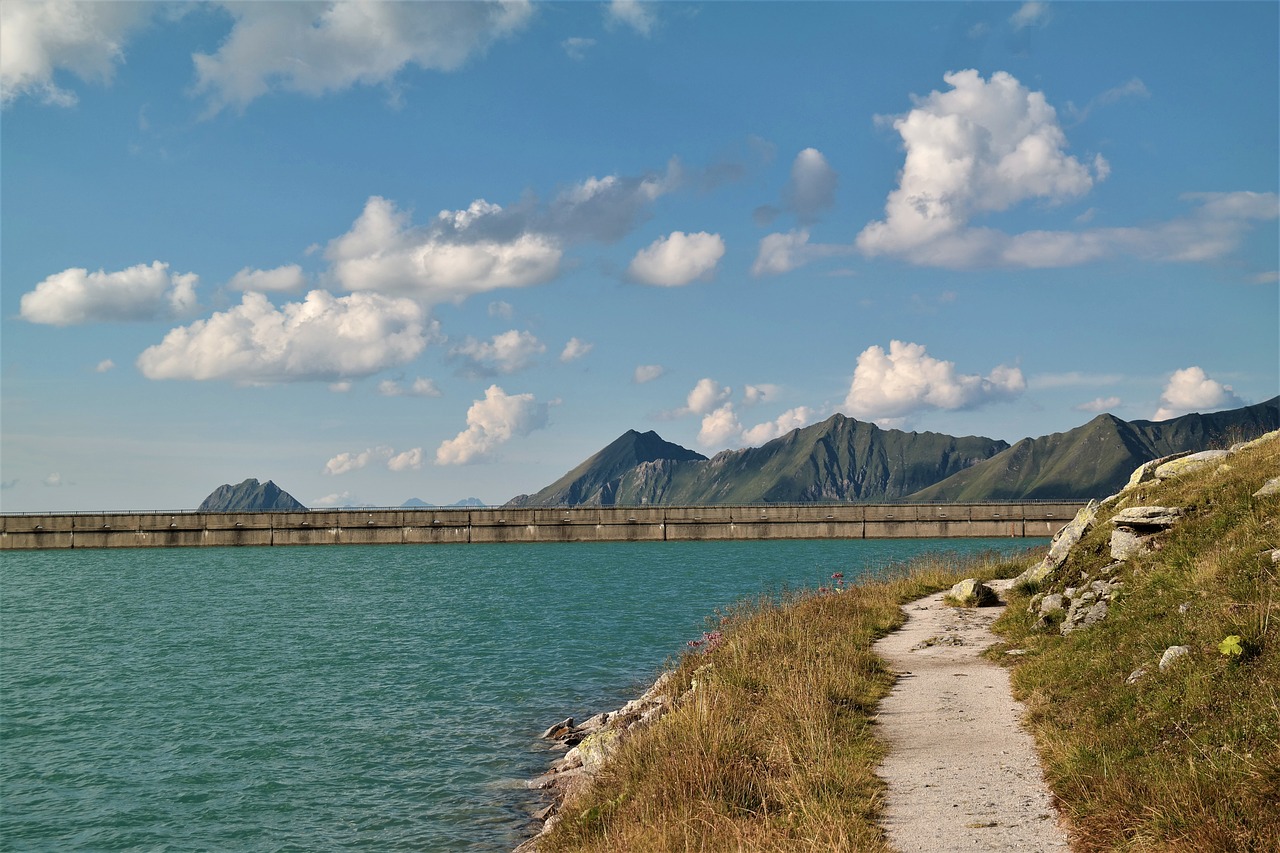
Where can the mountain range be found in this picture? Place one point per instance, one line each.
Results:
(845, 460)
(250, 496)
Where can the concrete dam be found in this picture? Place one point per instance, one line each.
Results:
(430, 526)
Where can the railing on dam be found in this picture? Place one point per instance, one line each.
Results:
(501, 524)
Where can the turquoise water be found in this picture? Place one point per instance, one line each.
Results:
(340, 698)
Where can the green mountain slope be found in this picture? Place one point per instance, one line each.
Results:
(250, 496)
(840, 459)
(1096, 459)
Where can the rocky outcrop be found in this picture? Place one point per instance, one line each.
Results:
(590, 745)
(972, 592)
(1061, 546)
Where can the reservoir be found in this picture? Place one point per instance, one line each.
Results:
(383, 698)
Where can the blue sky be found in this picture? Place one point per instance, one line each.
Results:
(383, 251)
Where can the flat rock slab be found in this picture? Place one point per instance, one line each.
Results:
(962, 772)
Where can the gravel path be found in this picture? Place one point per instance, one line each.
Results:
(962, 773)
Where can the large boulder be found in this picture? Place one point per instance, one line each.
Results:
(1192, 462)
(972, 592)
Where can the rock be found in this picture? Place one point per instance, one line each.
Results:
(1147, 517)
(1191, 462)
(1146, 472)
(1061, 546)
(1125, 544)
(1271, 436)
(1137, 675)
(596, 749)
(972, 592)
(1052, 603)
(1269, 489)
(1172, 655)
(559, 730)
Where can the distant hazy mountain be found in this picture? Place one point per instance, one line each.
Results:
(1095, 460)
(418, 503)
(845, 460)
(840, 459)
(250, 496)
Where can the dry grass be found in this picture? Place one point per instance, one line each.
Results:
(1188, 759)
(774, 749)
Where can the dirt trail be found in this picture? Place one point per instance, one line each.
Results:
(962, 773)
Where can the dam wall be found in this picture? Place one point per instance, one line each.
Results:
(431, 526)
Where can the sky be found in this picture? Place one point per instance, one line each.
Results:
(376, 252)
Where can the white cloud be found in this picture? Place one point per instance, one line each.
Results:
(762, 393)
(451, 259)
(76, 296)
(1099, 405)
(501, 309)
(1268, 277)
(345, 463)
(493, 421)
(410, 460)
(706, 396)
(576, 47)
(54, 480)
(677, 259)
(888, 387)
(783, 424)
(635, 14)
(647, 373)
(1191, 390)
(981, 147)
(323, 338)
(506, 353)
(288, 278)
(782, 253)
(40, 38)
(337, 499)
(720, 427)
(316, 48)
(105, 365)
(420, 387)
(605, 209)
(575, 349)
(812, 188)
(1031, 14)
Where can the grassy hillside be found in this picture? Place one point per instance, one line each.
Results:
(1187, 759)
(775, 750)
(1095, 460)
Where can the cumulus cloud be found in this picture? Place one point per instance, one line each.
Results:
(720, 427)
(344, 463)
(105, 365)
(39, 38)
(812, 188)
(791, 419)
(647, 373)
(491, 422)
(1031, 14)
(635, 14)
(763, 393)
(984, 146)
(605, 209)
(420, 387)
(449, 260)
(1098, 405)
(76, 296)
(285, 279)
(409, 460)
(55, 480)
(324, 338)
(506, 353)
(575, 349)
(781, 253)
(1191, 390)
(888, 387)
(317, 48)
(337, 499)
(706, 396)
(677, 259)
